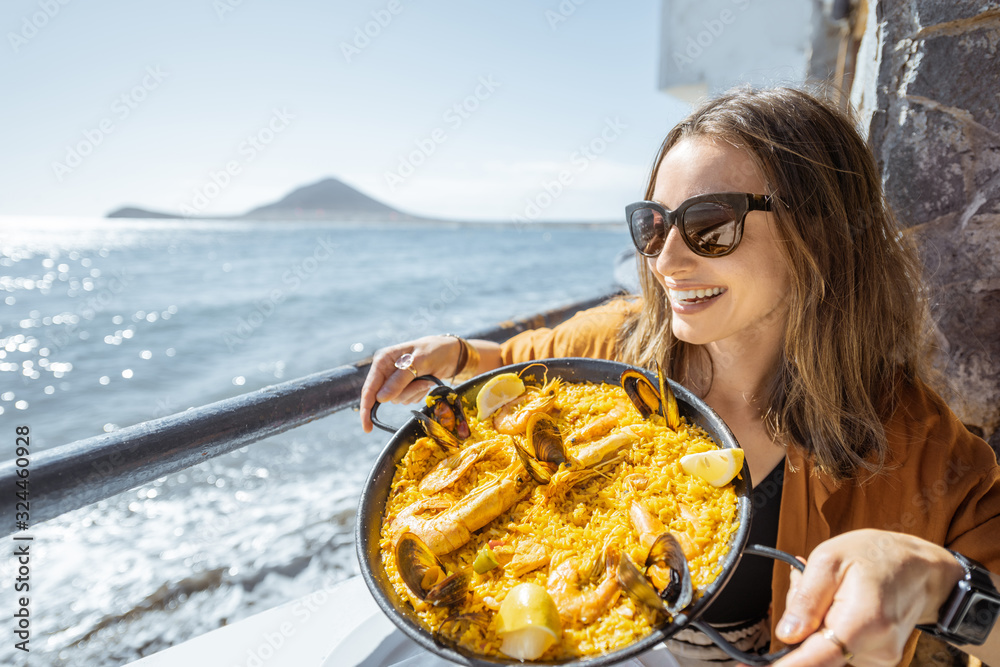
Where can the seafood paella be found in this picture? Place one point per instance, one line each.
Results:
(543, 519)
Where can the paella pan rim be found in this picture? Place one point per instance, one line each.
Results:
(376, 492)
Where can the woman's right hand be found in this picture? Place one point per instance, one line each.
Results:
(432, 355)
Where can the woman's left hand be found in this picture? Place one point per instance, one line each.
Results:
(869, 588)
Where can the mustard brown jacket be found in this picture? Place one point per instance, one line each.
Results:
(941, 482)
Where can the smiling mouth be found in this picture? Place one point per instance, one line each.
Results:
(694, 295)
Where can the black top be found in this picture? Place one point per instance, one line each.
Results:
(747, 595)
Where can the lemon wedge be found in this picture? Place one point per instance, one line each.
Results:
(717, 467)
(529, 622)
(498, 391)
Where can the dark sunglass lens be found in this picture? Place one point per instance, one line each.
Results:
(711, 227)
(647, 230)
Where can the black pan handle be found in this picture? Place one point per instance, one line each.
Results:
(385, 427)
(754, 659)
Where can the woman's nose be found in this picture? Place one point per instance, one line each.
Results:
(675, 256)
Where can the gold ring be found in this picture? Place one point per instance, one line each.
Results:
(829, 635)
(405, 363)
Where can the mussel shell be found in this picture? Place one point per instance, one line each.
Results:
(545, 440)
(546, 451)
(636, 585)
(666, 551)
(663, 389)
(540, 471)
(448, 411)
(641, 392)
(439, 433)
(451, 590)
(414, 560)
(668, 402)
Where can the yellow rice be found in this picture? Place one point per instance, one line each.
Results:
(578, 522)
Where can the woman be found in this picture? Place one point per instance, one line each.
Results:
(792, 305)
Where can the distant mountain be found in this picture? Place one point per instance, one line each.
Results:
(133, 212)
(328, 199)
(325, 199)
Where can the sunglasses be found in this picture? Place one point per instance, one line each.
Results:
(711, 225)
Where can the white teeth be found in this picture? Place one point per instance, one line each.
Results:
(684, 295)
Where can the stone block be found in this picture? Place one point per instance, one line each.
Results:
(962, 271)
(935, 131)
(933, 12)
(968, 323)
(924, 164)
(964, 256)
(952, 69)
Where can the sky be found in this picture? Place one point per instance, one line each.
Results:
(443, 109)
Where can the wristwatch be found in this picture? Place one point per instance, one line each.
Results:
(969, 613)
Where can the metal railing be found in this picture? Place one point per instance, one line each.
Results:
(75, 475)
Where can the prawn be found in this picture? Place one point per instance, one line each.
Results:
(586, 461)
(512, 418)
(576, 605)
(450, 469)
(600, 426)
(649, 527)
(594, 452)
(453, 527)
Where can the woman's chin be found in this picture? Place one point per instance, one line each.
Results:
(690, 334)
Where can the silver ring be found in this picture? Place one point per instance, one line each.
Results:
(405, 363)
(828, 634)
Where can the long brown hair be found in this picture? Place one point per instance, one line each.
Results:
(856, 309)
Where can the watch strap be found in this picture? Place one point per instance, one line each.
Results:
(973, 595)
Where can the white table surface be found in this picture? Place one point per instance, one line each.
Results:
(301, 632)
(337, 627)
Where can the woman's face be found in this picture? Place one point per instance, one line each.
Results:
(745, 291)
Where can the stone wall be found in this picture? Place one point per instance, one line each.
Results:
(928, 85)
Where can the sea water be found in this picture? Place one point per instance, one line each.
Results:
(108, 323)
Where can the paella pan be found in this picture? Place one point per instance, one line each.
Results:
(524, 533)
